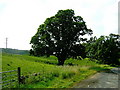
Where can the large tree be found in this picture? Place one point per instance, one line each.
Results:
(59, 35)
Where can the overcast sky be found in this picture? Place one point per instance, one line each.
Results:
(19, 19)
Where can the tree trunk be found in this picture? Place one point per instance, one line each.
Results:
(61, 58)
(61, 61)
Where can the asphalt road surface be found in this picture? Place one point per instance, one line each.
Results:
(109, 79)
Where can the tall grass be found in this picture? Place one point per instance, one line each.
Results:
(42, 72)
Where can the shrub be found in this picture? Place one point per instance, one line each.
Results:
(67, 75)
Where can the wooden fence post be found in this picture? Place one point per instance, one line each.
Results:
(19, 76)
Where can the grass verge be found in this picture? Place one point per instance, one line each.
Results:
(39, 74)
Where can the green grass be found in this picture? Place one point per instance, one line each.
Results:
(49, 75)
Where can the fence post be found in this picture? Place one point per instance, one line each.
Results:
(19, 76)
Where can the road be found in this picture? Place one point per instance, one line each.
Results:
(109, 79)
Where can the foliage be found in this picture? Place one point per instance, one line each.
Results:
(14, 51)
(60, 35)
(106, 49)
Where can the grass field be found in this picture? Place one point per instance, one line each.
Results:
(48, 74)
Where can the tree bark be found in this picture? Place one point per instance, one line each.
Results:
(61, 57)
(61, 61)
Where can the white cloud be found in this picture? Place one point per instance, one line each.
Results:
(110, 19)
(19, 19)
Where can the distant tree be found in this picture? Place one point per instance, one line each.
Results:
(91, 47)
(106, 49)
(14, 51)
(59, 35)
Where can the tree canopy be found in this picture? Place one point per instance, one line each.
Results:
(106, 49)
(60, 35)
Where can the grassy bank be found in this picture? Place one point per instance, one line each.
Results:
(42, 72)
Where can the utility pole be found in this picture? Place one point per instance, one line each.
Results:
(6, 42)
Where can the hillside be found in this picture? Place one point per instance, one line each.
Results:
(42, 72)
(14, 51)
